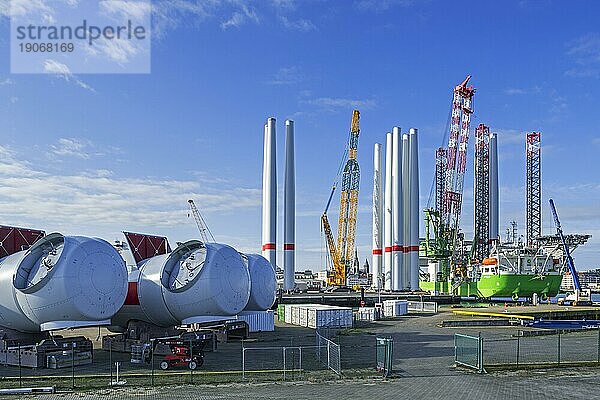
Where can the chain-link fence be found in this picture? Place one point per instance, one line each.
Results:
(292, 362)
(545, 349)
(526, 349)
(329, 352)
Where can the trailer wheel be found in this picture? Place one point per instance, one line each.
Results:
(199, 361)
(164, 365)
(192, 365)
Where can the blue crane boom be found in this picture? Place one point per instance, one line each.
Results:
(570, 262)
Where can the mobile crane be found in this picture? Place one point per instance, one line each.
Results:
(342, 255)
(579, 297)
(202, 226)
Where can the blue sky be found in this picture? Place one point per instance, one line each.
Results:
(97, 154)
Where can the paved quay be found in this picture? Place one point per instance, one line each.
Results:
(523, 385)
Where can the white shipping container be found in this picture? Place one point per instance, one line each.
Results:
(367, 314)
(395, 308)
(259, 321)
(288, 313)
(296, 315)
(328, 316)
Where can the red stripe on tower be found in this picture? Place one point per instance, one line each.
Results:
(268, 246)
(377, 252)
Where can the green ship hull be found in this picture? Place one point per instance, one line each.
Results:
(505, 285)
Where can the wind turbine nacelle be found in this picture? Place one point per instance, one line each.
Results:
(263, 282)
(61, 282)
(196, 282)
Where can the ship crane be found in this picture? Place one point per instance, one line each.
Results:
(579, 297)
(342, 254)
(201, 223)
(444, 219)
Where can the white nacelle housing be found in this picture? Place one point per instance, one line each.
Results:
(61, 282)
(194, 283)
(262, 282)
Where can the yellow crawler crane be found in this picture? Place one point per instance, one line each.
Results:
(342, 255)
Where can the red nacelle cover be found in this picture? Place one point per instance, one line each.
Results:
(13, 239)
(145, 246)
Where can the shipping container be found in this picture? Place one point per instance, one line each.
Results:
(329, 316)
(367, 314)
(295, 315)
(258, 321)
(288, 313)
(395, 308)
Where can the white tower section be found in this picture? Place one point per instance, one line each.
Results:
(387, 235)
(289, 212)
(269, 219)
(405, 212)
(413, 250)
(397, 218)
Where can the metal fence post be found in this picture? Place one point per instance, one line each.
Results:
(598, 345)
(480, 354)
(20, 371)
(110, 359)
(151, 361)
(558, 350)
(73, 365)
(518, 346)
(243, 363)
(192, 361)
(300, 360)
(455, 350)
(284, 363)
(328, 360)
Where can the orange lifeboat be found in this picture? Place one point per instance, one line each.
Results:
(489, 261)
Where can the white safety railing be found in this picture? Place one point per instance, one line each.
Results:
(423, 307)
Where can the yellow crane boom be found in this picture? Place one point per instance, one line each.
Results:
(342, 255)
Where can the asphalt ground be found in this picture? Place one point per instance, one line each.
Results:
(423, 367)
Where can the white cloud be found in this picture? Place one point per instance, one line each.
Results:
(522, 91)
(332, 103)
(585, 52)
(118, 50)
(124, 10)
(301, 25)
(71, 147)
(19, 8)
(381, 5)
(80, 148)
(7, 81)
(95, 200)
(63, 71)
(284, 5)
(287, 76)
(240, 17)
